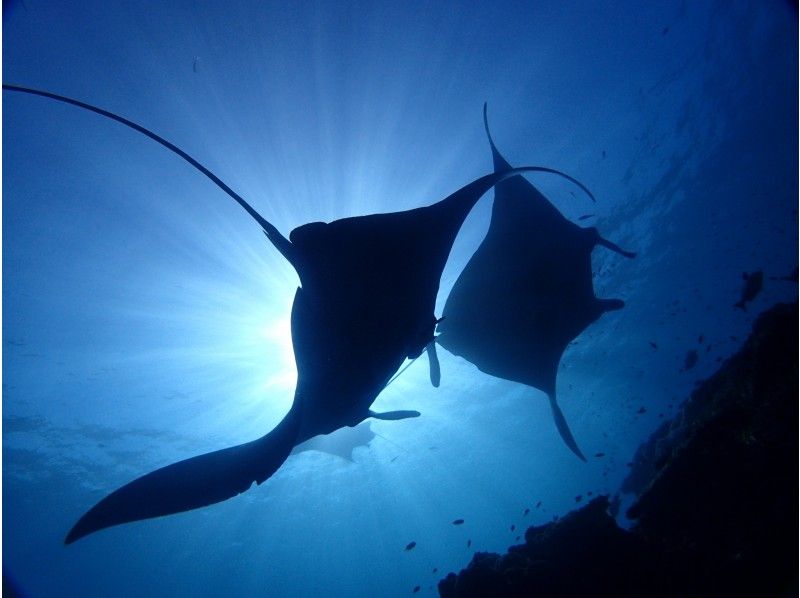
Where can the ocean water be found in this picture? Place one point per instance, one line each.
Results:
(146, 319)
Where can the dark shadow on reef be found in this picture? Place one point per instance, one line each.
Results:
(717, 507)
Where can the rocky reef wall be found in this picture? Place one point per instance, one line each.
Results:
(717, 506)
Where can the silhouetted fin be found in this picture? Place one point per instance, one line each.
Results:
(393, 415)
(193, 483)
(615, 247)
(501, 165)
(433, 360)
(279, 241)
(563, 428)
(610, 304)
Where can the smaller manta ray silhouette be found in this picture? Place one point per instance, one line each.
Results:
(341, 443)
(527, 291)
(365, 304)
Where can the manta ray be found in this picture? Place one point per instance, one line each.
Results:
(341, 443)
(527, 291)
(365, 304)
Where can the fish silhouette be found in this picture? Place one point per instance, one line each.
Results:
(753, 281)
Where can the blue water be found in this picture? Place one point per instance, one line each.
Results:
(145, 317)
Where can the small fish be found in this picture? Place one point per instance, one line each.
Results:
(435, 569)
(604, 154)
(664, 31)
(690, 361)
(469, 543)
(652, 344)
(517, 539)
(599, 455)
(513, 527)
(586, 217)
(641, 410)
(589, 493)
(415, 590)
(791, 277)
(752, 286)
(578, 498)
(700, 339)
(458, 521)
(538, 504)
(411, 545)
(393, 459)
(526, 512)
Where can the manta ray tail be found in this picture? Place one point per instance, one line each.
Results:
(563, 428)
(192, 483)
(278, 240)
(501, 165)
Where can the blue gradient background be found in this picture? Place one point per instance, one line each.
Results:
(145, 317)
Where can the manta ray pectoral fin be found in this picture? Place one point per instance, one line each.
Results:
(276, 238)
(433, 360)
(614, 247)
(563, 428)
(193, 483)
(393, 415)
(501, 165)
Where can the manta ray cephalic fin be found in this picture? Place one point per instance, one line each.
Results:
(394, 415)
(433, 360)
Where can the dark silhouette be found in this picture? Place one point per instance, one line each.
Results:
(341, 444)
(791, 277)
(366, 303)
(752, 287)
(690, 360)
(527, 292)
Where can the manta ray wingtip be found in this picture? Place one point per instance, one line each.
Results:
(193, 483)
(75, 534)
(563, 428)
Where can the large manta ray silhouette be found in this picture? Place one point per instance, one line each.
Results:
(365, 304)
(527, 291)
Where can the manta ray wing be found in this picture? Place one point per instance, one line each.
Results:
(193, 483)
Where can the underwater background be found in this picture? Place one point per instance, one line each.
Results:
(146, 318)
